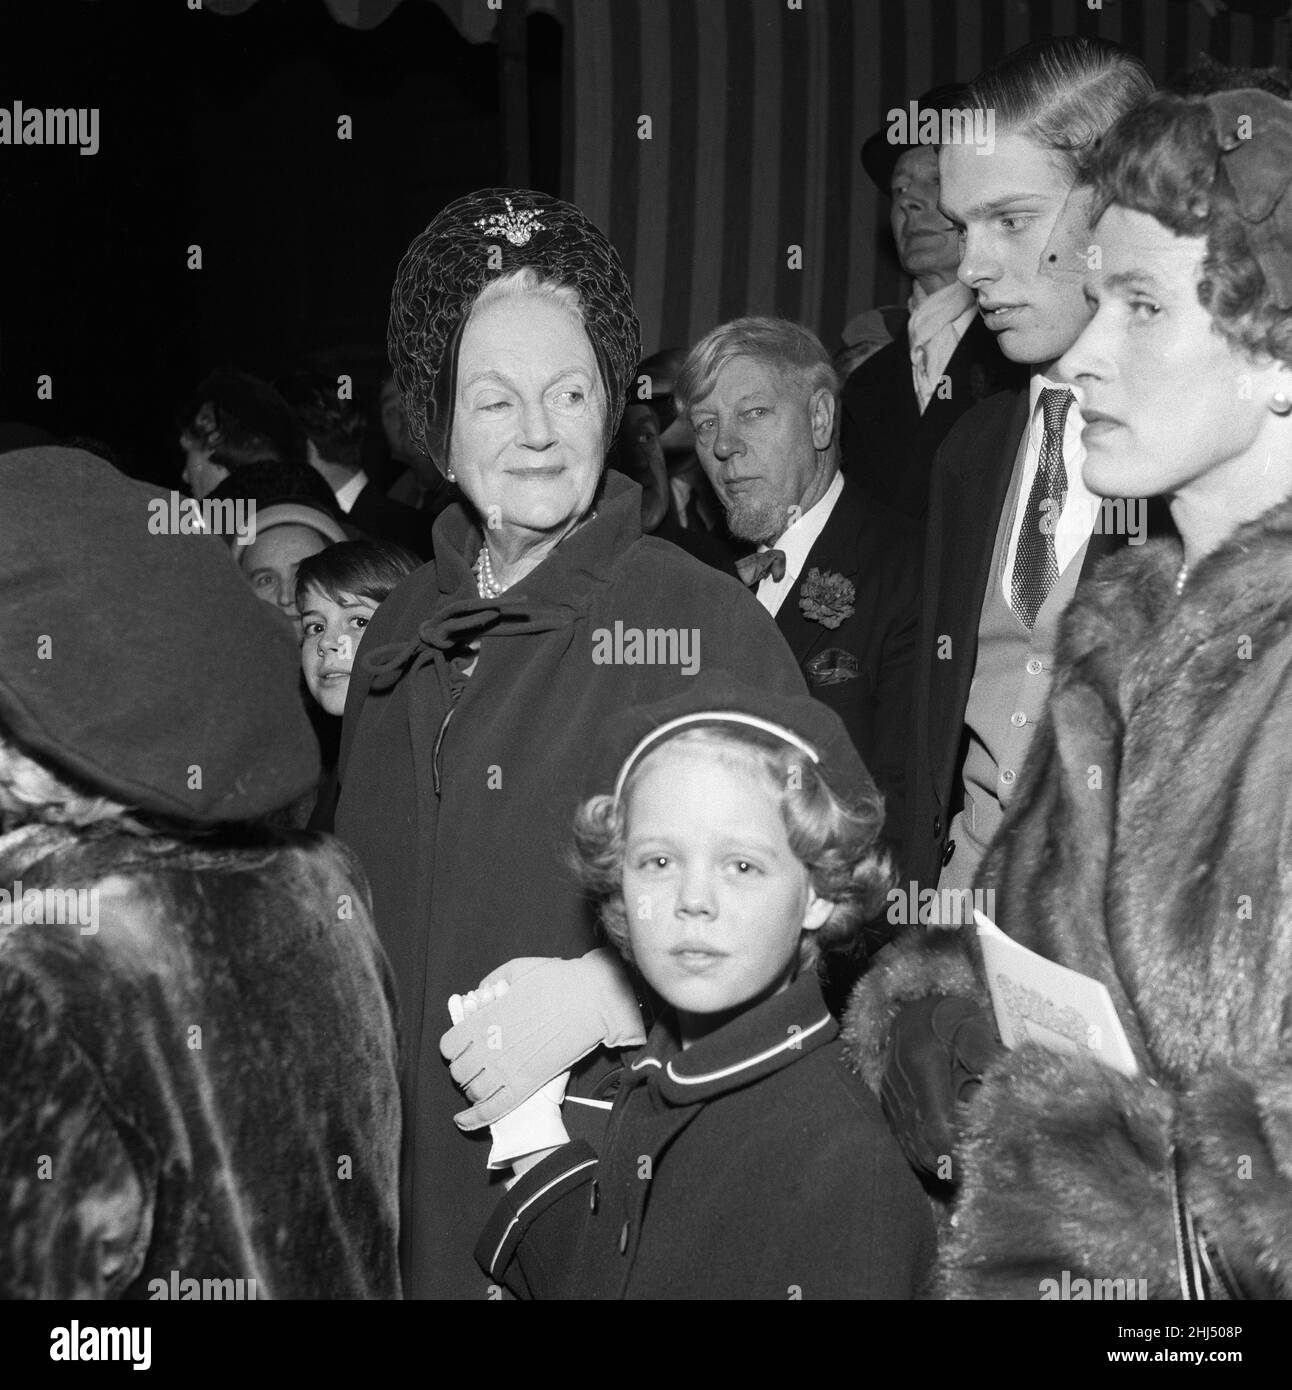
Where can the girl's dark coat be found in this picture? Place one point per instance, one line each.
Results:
(1150, 846)
(753, 1165)
(204, 1088)
(463, 823)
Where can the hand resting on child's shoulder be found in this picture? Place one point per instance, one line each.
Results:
(551, 1014)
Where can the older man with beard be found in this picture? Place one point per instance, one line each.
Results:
(838, 571)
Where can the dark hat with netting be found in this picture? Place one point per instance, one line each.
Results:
(481, 238)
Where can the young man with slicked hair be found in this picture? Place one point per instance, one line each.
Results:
(1011, 522)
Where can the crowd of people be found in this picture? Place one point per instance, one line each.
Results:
(495, 876)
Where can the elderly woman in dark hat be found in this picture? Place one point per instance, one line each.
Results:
(485, 674)
(198, 1094)
(1150, 840)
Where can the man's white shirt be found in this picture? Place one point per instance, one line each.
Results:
(797, 543)
(348, 493)
(1080, 507)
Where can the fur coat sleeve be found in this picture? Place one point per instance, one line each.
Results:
(198, 1082)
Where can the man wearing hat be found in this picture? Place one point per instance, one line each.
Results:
(898, 405)
(198, 1091)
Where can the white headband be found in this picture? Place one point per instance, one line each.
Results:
(751, 721)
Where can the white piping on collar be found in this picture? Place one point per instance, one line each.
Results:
(529, 1202)
(646, 1062)
(795, 1040)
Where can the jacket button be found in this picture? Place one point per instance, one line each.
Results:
(1034, 667)
(1018, 719)
(623, 1239)
(1008, 776)
(593, 1198)
(948, 852)
(937, 827)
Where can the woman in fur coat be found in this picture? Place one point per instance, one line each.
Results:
(1150, 844)
(198, 1086)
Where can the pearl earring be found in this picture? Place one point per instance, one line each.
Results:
(451, 476)
(1280, 404)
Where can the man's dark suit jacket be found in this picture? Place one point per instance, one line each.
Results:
(887, 446)
(864, 668)
(386, 520)
(969, 486)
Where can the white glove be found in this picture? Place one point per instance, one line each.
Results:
(534, 1124)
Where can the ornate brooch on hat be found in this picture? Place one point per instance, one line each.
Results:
(827, 597)
(517, 227)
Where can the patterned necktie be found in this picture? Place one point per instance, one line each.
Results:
(1036, 566)
(753, 569)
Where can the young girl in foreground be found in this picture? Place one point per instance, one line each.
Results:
(741, 1158)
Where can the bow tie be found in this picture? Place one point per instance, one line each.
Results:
(753, 569)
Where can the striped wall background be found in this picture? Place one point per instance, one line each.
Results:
(757, 113)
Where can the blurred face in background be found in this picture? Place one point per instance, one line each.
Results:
(1008, 205)
(928, 246)
(270, 563)
(200, 475)
(394, 424)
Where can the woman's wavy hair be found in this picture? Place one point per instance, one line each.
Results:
(837, 841)
(1165, 160)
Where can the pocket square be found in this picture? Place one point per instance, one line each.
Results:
(832, 666)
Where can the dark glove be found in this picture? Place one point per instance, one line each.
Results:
(939, 1050)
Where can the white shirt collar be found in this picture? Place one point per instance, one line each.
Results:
(1080, 506)
(348, 493)
(797, 542)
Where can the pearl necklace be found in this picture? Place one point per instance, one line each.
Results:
(1180, 577)
(486, 581)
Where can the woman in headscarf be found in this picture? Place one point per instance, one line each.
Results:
(1150, 840)
(198, 1090)
(486, 674)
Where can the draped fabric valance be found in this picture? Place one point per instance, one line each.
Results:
(474, 19)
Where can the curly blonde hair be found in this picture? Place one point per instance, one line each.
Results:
(836, 841)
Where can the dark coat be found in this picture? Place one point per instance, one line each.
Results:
(887, 445)
(387, 520)
(864, 669)
(463, 825)
(711, 547)
(210, 1075)
(1147, 846)
(753, 1165)
(969, 488)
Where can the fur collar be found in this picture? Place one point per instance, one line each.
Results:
(1126, 633)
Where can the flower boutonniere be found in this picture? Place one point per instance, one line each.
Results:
(826, 597)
